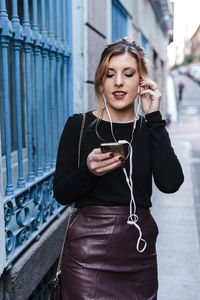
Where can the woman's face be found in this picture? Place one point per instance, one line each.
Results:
(121, 82)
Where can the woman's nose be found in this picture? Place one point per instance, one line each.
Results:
(118, 80)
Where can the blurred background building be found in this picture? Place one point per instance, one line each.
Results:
(195, 45)
(49, 52)
(186, 23)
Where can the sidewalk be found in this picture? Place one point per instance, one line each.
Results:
(178, 241)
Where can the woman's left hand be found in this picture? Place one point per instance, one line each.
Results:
(150, 97)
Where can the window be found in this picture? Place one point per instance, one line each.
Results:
(145, 45)
(119, 21)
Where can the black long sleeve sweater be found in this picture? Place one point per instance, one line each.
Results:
(152, 155)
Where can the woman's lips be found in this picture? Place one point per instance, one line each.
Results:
(119, 95)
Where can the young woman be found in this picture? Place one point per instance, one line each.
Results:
(110, 251)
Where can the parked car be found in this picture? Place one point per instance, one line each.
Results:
(196, 76)
(194, 71)
(183, 69)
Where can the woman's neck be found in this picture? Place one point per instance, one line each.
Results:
(121, 116)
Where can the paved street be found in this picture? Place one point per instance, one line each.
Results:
(178, 215)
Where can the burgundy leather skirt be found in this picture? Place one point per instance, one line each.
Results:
(100, 260)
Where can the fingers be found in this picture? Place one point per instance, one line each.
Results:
(108, 164)
(110, 167)
(101, 163)
(151, 84)
(151, 89)
(148, 91)
(97, 155)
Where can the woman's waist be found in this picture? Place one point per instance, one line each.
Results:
(110, 199)
(110, 210)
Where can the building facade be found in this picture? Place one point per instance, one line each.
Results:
(148, 22)
(49, 52)
(195, 45)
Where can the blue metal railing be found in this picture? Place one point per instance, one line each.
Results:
(42, 81)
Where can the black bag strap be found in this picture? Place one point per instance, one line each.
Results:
(73, 205)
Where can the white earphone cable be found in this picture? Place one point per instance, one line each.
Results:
(133, 218)
(111, 126)
(134, 123)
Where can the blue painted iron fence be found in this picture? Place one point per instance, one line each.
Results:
(35, 100)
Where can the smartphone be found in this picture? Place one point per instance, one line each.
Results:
(115, 148)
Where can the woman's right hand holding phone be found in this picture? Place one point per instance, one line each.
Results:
(101, 163)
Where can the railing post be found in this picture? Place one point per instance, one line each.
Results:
(28, 41)
(5, 34)
(58, 73)
(65, 62)
(17, 40)
(52, 51)
(69, 62)
(2, 222)
(36, 54)
(45, 48)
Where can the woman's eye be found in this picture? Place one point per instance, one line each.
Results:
(110, 75)
(129, 75)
